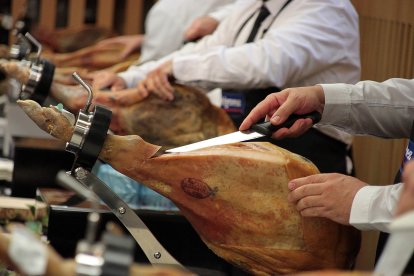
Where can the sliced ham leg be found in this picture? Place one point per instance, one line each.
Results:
(235, 196)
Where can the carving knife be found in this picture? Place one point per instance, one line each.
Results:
(256, 131)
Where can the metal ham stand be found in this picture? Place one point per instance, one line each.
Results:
(86, 143)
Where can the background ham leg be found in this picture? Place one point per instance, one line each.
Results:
(15, 70)
(189, 118)
(92, 57)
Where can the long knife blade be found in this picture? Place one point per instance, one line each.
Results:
(256, 131)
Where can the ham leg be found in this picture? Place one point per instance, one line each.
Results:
(91, 57)
(15, 70)
(235, 196)
(189, 118)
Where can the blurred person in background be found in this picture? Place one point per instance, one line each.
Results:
(169, 24)
(259, 48)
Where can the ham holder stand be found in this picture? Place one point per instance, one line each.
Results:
(86, 143)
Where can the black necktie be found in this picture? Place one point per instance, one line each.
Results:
(263, 14)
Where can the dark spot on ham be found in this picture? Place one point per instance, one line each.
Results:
(196, 188)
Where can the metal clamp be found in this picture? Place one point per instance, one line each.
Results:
(36, 44)
(90, 131)
(40, 76)
(21, 49)
(82, 126)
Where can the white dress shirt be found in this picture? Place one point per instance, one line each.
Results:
(223, 11)
(167, 21)
(309, 42)
(381, 109)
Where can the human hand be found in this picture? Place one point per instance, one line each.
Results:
(157, 82)
(327, 195)
(200, 27)
(104, 79)
(406, 201)
(131, 43)
(277, 107)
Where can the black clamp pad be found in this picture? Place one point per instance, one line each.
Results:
(42, 88)
(94, 140)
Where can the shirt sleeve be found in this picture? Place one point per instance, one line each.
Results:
(164, 23)
(373, 207)
(380, 109)
(305, 39)
(136, 73)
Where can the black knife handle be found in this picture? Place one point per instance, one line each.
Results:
(267, 128)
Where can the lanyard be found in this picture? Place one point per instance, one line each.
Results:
(409, 152)
(265, 30)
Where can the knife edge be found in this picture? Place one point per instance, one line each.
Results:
(230, 138)
(256, 131)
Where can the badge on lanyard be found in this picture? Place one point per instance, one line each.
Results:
(408, 154)
(233, 102)
(409, 150)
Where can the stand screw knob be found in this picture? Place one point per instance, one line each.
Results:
(121, 210)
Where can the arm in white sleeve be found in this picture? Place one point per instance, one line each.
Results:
(136, 73)
(164, 26)
(373, 207)
(308, 37)
(382, 109)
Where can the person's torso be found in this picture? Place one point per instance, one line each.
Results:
(167, 21)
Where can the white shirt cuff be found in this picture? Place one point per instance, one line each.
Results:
(373, 207)
(336, 95)
(131, 77)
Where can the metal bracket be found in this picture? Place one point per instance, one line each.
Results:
(86, 143)
(149, 244)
